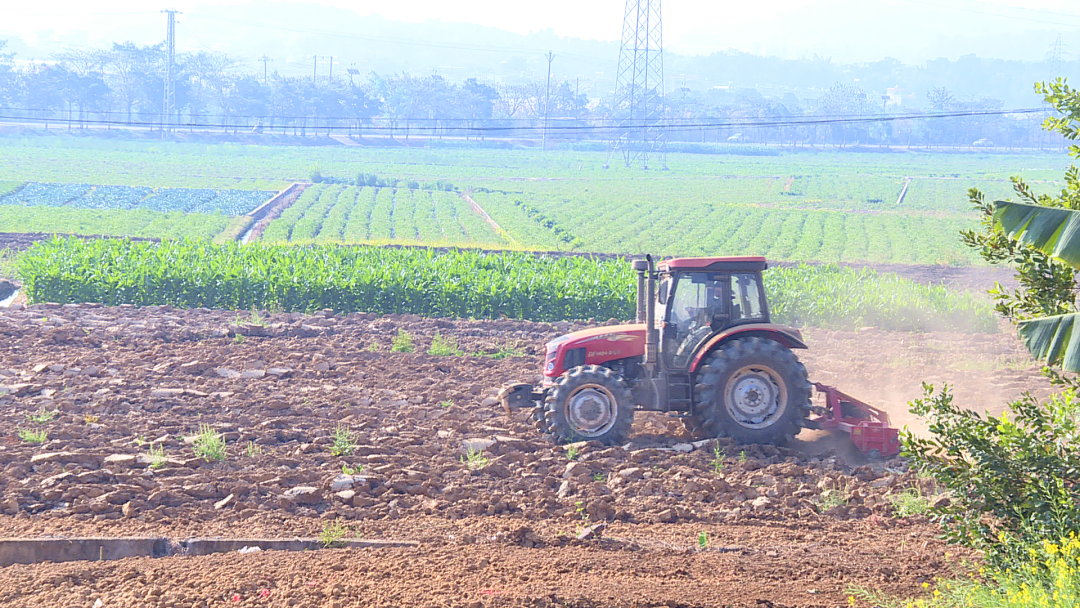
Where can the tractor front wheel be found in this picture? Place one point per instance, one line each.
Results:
(753, 390)
(588, 402)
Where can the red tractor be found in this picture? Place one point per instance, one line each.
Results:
(703, 349)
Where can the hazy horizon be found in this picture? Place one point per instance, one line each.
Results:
(847, 31)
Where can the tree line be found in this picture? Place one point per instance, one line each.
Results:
(124, 85)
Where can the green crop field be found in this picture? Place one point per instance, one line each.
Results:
(351, 214)
(804, 205)
(85, 196)
(458, 283)
(112, 222)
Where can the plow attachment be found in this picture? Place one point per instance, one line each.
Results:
(867, 425)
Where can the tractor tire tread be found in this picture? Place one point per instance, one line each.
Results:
(553, 422)
(711, 415)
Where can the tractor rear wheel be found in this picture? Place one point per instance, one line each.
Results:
(588, 402)
(753, 390)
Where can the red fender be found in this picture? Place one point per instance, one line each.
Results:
(788, 336)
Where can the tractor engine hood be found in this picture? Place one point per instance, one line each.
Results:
(593, 346)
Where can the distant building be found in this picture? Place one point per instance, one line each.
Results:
(895, 96)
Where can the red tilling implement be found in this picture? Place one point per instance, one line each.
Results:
(867, 425)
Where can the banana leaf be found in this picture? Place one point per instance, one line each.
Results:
(1052, 230)
(1053, 340)
(1056, 232)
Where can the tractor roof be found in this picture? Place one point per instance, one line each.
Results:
(749, 262)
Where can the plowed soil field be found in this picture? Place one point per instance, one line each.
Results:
(502, 531)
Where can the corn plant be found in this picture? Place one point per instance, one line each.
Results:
(459, 283)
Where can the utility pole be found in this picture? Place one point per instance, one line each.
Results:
(352, 72)
(265, 60)
(314, 69)
(547, 99)
(331, 77)
(168, 103)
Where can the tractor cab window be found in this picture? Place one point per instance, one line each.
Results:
(746, 298)
(697, 301)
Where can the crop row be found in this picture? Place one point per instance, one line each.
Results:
(337, 213)
(111, 222)
(606, 224)
(83, 196)
(454, 283)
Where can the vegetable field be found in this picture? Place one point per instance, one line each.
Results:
(459, 283)
(112, 222)
(610, 224)
(350, 214)
(804, 205)
(84, 196)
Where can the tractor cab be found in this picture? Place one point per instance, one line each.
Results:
(700, 297)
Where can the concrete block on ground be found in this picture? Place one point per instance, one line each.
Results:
(36, 550)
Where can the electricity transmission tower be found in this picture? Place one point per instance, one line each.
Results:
(1055, 57)
(168, 105)
(638, 107)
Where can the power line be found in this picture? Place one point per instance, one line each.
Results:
(735, 122)
(575, 129)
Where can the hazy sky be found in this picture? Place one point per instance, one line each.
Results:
(781, 27)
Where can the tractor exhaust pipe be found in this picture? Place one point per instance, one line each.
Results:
(646, 307)
(641, 267)
(652, 336)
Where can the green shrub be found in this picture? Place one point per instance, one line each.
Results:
(403, 342)
(209, 445)
(445, 347)
(33, 436)
(344, 441)
(1014, 478)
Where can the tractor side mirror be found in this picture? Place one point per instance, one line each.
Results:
(661, 296)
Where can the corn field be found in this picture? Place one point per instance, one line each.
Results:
(189, 274)
(455, 283)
